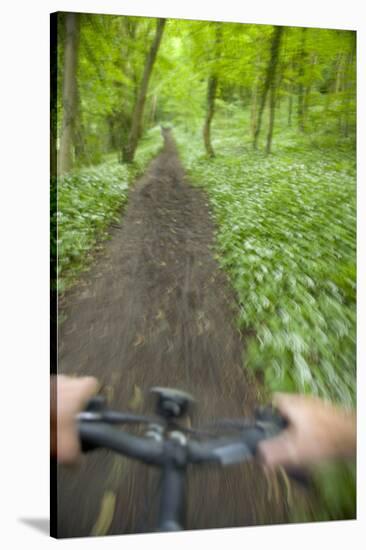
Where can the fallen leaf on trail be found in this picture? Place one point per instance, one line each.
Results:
(139, 340)
(288, 487)
(136, 399)
(115, 475)
(105, 517)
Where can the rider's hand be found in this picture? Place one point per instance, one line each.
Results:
(317, 431)
(69, 396)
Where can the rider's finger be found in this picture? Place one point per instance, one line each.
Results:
(88, 386)
(283, 403)
(279, 451)
(291, 406)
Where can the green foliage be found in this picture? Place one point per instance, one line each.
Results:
(286, 235)
(88, 200)
(111, 59)
(285, 223)
(177, 87)
(112, 52)
(336, 485)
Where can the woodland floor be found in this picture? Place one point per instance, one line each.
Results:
(156, 310)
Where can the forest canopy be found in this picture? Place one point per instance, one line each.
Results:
(119, 76)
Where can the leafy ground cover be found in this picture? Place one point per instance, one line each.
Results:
(286, 235)
(89, 200)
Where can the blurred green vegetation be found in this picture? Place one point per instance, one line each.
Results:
(89, 200)
(286, 236)
(102, 61)
(278, 106)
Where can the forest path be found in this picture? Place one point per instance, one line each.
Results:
(156, 310)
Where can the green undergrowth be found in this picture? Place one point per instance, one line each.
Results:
(286, 236)
(88, 201)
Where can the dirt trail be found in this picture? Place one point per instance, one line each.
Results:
(156, 310)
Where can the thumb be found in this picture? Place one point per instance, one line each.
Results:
(279, 451)
(88, 386)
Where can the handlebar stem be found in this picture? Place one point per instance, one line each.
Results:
(173, 478)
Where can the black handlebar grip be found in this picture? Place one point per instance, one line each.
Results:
(86, 443)
(271, 415)
(99, 434)
(96, 405)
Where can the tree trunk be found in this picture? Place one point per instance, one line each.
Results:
(306, 104)
(79, 132)
(307, 93)
(153, 110)
(69, 94)
(269, 83)
(289, 119)
(211, 94)
(348, 85)
(128, 151)
(278, 86)
(340, 69)
(254, 101)
(301, 95)
(272, 108)
(275, 85)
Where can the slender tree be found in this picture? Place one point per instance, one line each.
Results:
(128, 151)
(348, 85)
(289, 117)
(254, 103)
(301, 87)
(211, 95)
(212, 84)
(274, 86)
(308, 87)
(269, 86)
(70, 94)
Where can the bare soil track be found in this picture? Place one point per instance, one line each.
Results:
(156, 310)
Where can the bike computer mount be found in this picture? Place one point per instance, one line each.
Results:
(171, 403)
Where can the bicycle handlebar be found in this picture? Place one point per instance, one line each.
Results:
(171, 447)
(99, 434)
(223, 450)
